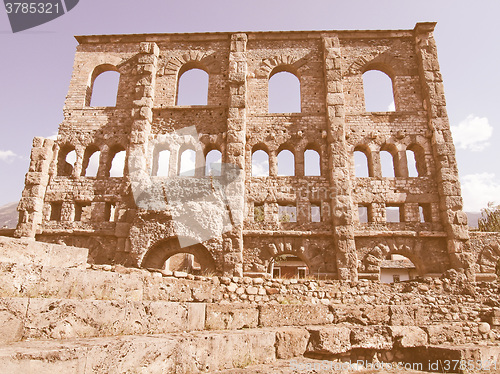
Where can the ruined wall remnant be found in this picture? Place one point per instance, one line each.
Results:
(233, 219)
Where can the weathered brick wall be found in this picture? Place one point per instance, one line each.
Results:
(332, 121)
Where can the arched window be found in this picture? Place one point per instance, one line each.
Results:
(284, 93)
(187, 163)
(104, 87)
(378, 92)
(116, 162)
(162, 165)
(260, 164)
(312, 163)
(213, 163)
(361, 164)
(192, 88)
(416, 161)
(286, 163)
(388, 163)
(66, 160)
(90, 164)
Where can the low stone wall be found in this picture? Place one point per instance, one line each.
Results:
(29, 251)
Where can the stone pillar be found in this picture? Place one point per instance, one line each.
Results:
(454, 219)
(31, 205)
(235, 150)
(142, 118)
(339, 163)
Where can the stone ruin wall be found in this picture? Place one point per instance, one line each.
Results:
(235, 121)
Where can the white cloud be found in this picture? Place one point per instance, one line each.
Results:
(479, 189)
(472, 133)
(7, 156)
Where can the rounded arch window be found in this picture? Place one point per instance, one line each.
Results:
(192, 88)
(284, 93)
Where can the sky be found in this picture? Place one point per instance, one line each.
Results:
(36, 65)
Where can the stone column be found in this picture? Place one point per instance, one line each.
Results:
(235, 151)
(31, 205)
(454, 219)
(142, 118)
(339, 163)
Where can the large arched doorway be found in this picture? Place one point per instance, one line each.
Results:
(168, 254)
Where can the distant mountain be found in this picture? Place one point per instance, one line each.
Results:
(472, 219)
(9, 215)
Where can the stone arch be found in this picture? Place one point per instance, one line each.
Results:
(193, 59)
(383, 62)
(408, 247)
(162, 250)
(270, 66)
(488, 259)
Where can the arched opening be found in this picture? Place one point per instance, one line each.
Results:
(168, 254)
(192, 88)
(104, 87)
(388, 162)
(379, 96)
(362, 167)
(187, 163)
(162, 165)
(288, 266)
(66, 160)
(213, 163)
(116, 164)
(260, 164)
(286, 163)
(416, 161)
(284, 93)
(312, 163)
(91, 160)
(397, 268)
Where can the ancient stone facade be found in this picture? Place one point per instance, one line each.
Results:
(61, 204)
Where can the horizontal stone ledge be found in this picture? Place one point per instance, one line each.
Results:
(423, 234)
(286, 233)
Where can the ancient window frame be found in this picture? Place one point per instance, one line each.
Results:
(255, 149)
(90, 151)
(285, 148)
(393, 151)
(289, 69)
(419, 156)
(98, 70)
(384, 70)
(191, 65)
(65, 169)
(369, 160)
(318, 153)
(110, 157)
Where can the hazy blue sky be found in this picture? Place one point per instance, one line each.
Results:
(36, 65)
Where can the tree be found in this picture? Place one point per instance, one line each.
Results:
(490, 220)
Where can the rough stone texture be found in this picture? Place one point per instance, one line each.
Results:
(60, 203)
(291, 342)
(329, 340)
(187, 353)
(294, 315)
(231, 316)
(26, 251)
